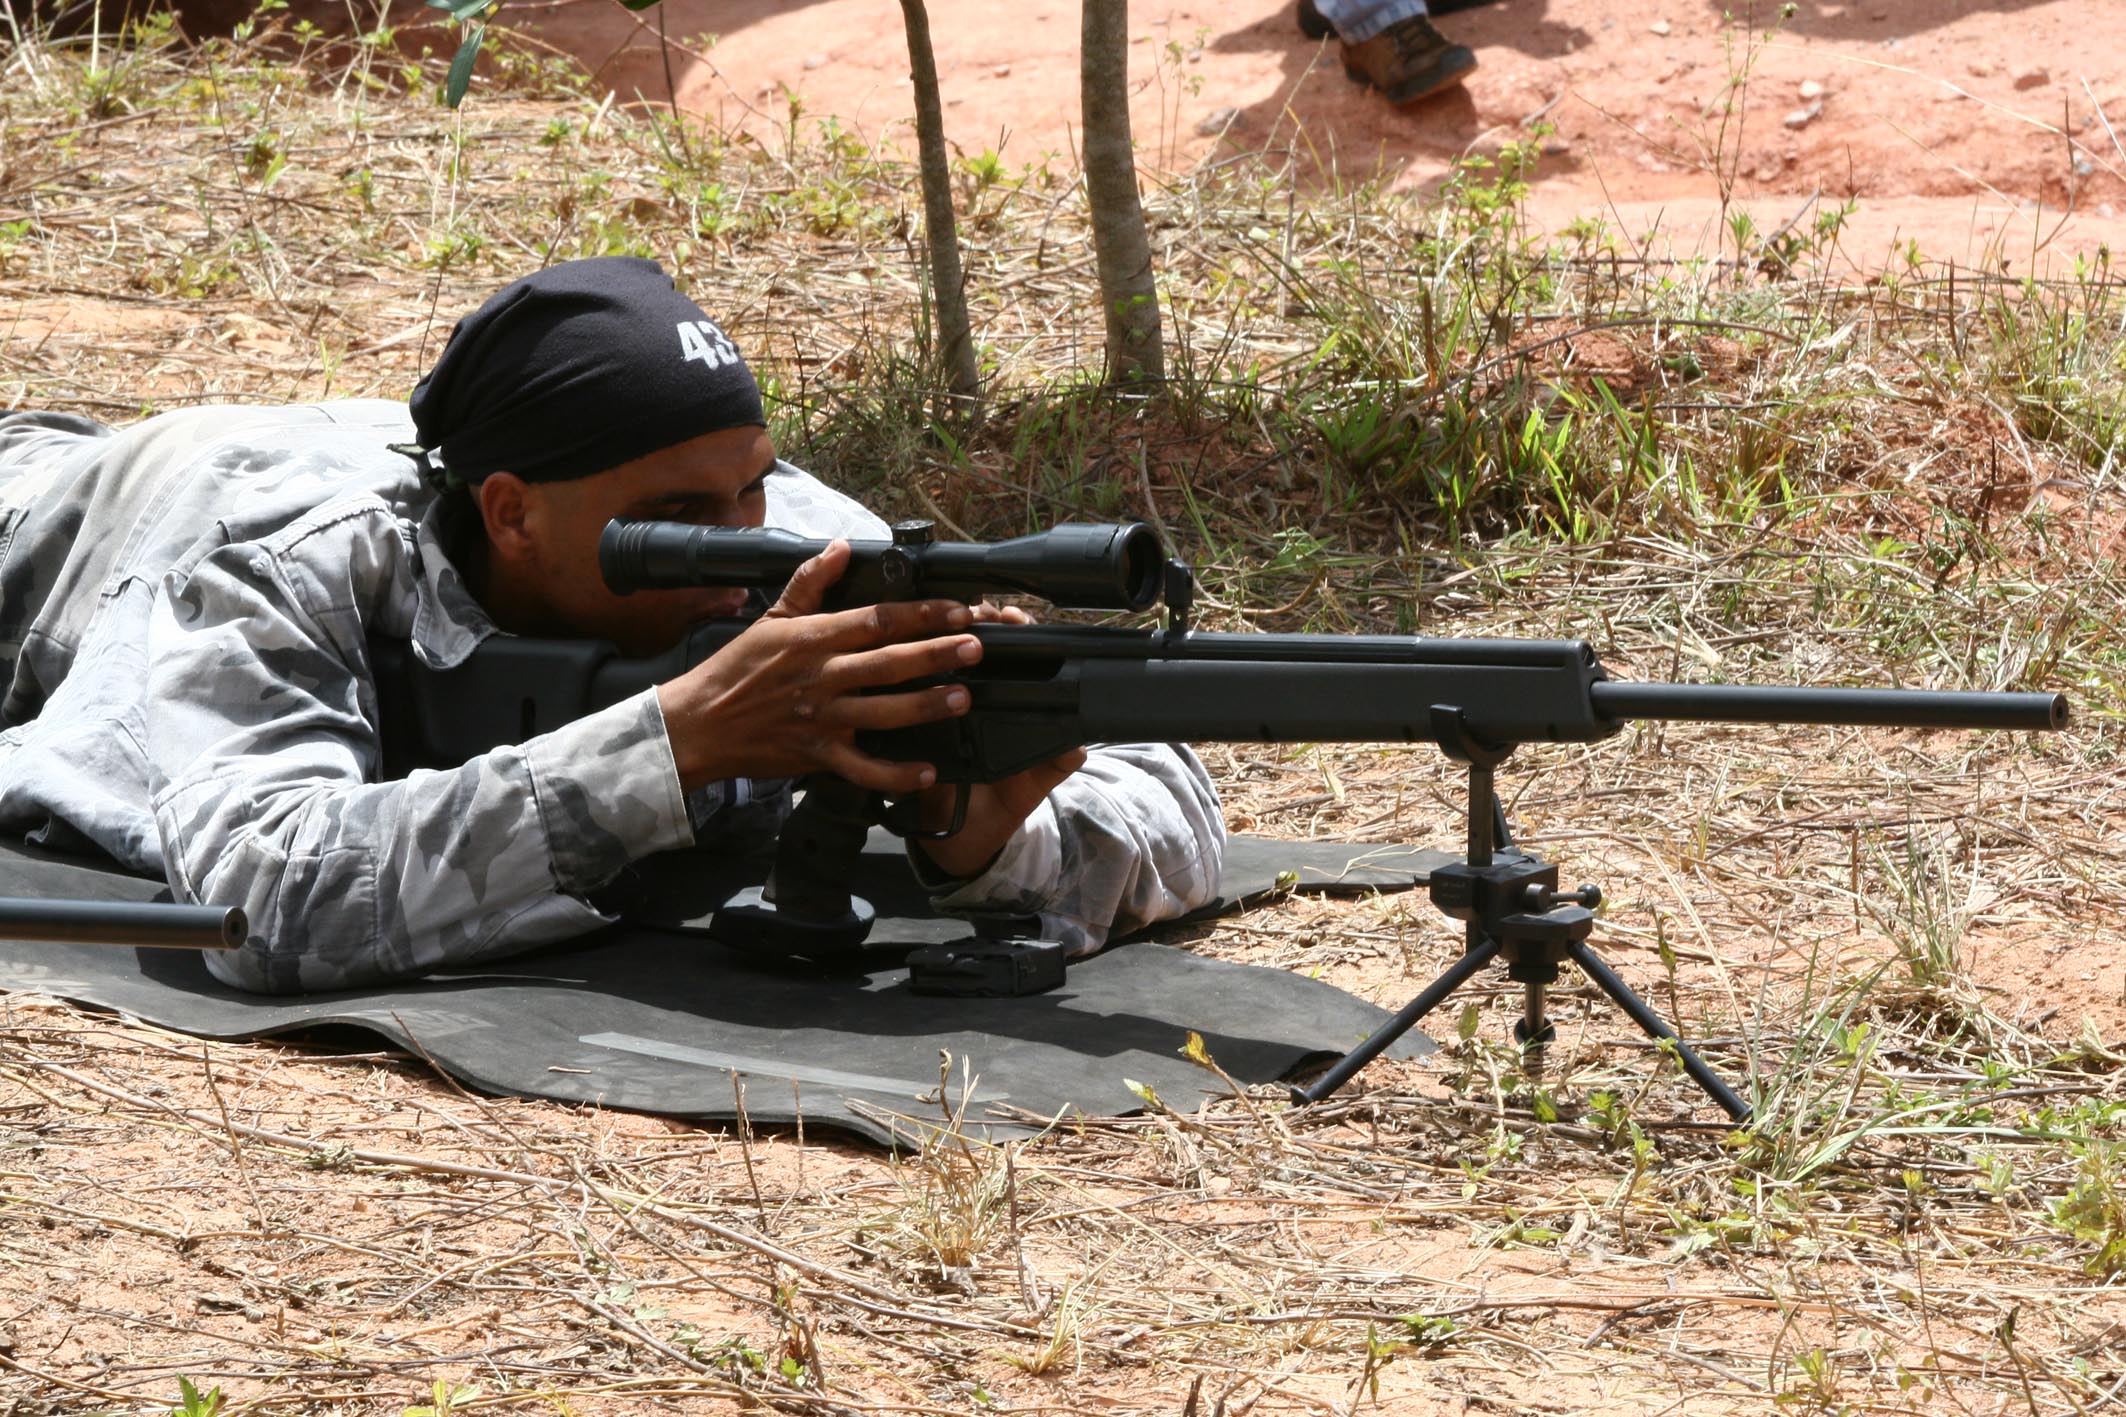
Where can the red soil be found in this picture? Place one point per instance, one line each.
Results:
(1962, 124)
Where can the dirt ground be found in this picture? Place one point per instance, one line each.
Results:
(1915, 1228)
(1963, 125)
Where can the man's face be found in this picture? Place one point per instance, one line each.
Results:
(718, 479)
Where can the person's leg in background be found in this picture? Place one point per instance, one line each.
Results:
(1391, 45)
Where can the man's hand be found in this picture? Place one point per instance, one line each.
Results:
(994, 809)
(785, 698)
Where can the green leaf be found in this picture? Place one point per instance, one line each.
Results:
(461, 67)
(194, 1403)
(640, 4)
(460, 10)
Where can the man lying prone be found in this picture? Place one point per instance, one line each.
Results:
(186, 607)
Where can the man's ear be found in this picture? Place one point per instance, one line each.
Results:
(505, 508)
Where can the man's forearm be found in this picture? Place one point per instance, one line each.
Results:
(262, 745)
(1133, 837)
(352, 883)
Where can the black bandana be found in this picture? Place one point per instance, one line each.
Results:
(581, 367)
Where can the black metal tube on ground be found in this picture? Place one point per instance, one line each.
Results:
(1883, 708)
(101, 922)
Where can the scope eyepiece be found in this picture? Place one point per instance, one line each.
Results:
(1082, 566)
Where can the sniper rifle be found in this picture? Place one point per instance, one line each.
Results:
(1042, 690)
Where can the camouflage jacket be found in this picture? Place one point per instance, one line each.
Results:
(185, 610)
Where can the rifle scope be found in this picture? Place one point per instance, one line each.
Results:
(111, 922)
(1081, 566)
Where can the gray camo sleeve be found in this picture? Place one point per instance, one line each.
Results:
(261, 745)
(1133, 837)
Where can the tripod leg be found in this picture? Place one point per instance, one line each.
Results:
(1610, 983)
(1340, 1073)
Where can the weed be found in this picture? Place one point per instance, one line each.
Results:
(444, 1398)
(1818, 1386)
(953, 1193)
(2093, 1210)
(1926, 916)
(1062, 1344)
(191, 1402)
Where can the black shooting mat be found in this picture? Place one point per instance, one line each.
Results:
(657, 1020)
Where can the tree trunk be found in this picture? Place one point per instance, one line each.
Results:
(948, 291)
(1120, 246)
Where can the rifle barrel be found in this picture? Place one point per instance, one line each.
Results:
(108, 922)
(1886, 708)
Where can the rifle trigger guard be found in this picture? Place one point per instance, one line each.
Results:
(901, 817)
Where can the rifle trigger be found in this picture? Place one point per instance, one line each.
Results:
(960, 795)
(902, 818)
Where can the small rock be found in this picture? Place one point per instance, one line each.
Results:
(1002, 71)
(1979, 70)
(1556, 147)
(1659, 27)
(1811, 89)
(815, 61)
(1225, 120)
(1948, 93)
(1802, 117)
(2033, 78)
(2083, 167)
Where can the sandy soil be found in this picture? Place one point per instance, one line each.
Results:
(1964, 125)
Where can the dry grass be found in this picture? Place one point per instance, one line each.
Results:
(1909, 943)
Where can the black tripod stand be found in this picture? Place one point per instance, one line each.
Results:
(1514, 911)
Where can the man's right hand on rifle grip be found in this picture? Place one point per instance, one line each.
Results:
(785, 697)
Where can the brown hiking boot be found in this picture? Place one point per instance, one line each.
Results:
(1408, 60)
